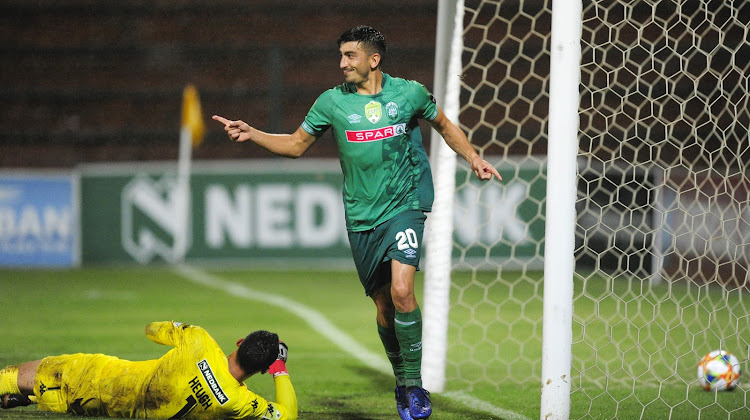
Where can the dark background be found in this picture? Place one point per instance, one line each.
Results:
(90, 81)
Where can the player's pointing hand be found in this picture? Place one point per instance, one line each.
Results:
(483, 169)
(237, 130)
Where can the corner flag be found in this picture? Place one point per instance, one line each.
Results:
(191, 135)
(191, 115)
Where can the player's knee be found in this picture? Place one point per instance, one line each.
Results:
(385, 313)
(404, 300)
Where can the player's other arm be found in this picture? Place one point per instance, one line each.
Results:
(456, 140)
(165, 332)
(252, 406)
(285, 394)
(290, 145)
(284, 408)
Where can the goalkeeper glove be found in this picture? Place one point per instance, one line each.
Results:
(283, 351)
(279, 366)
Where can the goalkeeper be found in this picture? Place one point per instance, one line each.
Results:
(194, 380)
(387, 189)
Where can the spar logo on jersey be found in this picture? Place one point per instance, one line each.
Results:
(213, 383)
(376, 134)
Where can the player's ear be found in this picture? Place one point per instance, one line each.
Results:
(374, 61)
(239, 342)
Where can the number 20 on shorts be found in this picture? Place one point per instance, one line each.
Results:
(407, 239)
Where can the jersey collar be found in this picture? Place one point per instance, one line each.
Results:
(350, 88)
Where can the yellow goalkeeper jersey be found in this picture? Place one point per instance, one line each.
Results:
(191, 381)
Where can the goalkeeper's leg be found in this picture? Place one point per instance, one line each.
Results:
(19, 379)
(9, 380)
(16, 383)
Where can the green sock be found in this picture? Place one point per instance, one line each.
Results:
(393, 351)
(9, 380)
(409, 332)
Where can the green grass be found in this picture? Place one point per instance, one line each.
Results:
(104, 310)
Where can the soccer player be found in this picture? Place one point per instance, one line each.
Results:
(194, 380)
(387, 189)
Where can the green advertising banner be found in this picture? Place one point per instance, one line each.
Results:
(271, 210)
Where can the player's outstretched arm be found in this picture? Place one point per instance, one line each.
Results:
(456, 140)
(290, 145)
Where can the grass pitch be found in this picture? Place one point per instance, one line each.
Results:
(105, 309)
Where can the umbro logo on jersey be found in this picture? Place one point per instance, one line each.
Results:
(354, 118)
(410, 253)
(375, 134)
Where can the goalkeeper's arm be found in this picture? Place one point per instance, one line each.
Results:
(285, 394)
(166, 332)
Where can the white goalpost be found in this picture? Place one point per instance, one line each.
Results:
(559, 263)
(439, 229)
(614, 254)
(561, 196)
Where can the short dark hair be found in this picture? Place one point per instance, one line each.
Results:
(371, 38)
(258, 351)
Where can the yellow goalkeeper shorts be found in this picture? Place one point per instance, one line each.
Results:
(68, 383)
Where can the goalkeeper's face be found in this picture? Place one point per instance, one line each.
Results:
(356, 62)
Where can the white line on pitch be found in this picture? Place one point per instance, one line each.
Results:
(482, 405)
(319, 322)
(316, 320)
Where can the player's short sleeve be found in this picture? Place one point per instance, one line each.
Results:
(423, 101)
(320, 116)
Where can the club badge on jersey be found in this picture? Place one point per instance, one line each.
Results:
(391, 110)
(373, 111)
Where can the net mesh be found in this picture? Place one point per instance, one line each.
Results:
(663, 206)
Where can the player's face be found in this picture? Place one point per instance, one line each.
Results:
(355, 63)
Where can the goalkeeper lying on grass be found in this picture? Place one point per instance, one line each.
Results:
(194, 380)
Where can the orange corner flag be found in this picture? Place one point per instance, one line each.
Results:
(191, 114)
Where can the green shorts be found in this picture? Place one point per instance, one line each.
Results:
(399, 238)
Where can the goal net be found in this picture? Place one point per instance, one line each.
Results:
(662, 226)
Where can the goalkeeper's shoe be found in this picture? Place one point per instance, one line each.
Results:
(402, 403)
(419, 402)
(14, 400)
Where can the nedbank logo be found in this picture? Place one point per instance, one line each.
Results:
(155, 219)
(213, 383)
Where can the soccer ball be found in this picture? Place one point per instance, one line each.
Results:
(719, 371)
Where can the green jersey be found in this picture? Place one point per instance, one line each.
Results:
(386, 169)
